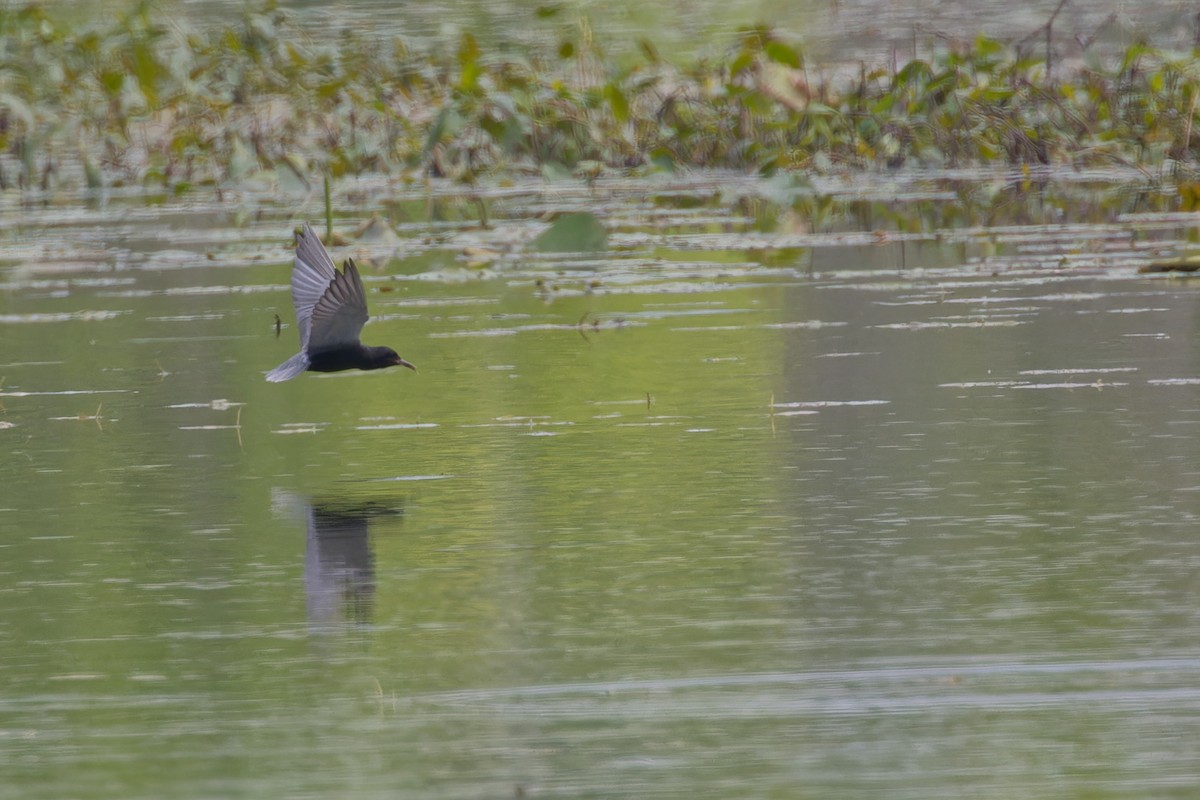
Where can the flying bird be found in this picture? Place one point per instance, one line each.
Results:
(331, 309)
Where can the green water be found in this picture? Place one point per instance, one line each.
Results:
(684, 519)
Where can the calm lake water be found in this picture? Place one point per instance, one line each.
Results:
(715, 512)
(841, 32)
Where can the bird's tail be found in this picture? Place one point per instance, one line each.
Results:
(289, 369)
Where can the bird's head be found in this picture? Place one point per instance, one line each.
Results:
(387, 357)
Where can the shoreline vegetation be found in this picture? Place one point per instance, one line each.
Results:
(140, 101)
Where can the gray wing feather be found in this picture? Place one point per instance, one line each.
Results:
(340, 313)
(289, 369)
(312, 273)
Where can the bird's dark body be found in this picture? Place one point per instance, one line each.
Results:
(361, 357)
(331, 309)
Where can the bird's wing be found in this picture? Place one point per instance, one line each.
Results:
(338, 317)
(312, 273)
(289, 369)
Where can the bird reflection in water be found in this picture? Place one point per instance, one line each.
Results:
(339, 561)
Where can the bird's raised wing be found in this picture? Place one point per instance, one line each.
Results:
(312, 273)
(338, 317)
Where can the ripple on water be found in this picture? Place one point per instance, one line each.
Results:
(1174, 382)
(300, 427)
(396, 426)
(1097, 384)
(404, 478)
(947, 324)
(66, 392)
(830, 403)
(1077, 371)
(65, 316)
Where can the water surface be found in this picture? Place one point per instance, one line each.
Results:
(717, 512)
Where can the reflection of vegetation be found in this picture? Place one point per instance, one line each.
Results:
(143, 101)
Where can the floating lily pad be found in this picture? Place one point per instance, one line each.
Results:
(573, 233)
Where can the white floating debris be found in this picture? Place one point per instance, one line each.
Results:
(1093, 385)
(921, 326)
(981, 384)
(215, 405)
(301, 427)
(485, 332)
(831, 403)
(444, 301)
(518, 422)
(644, 424)
(64, 392)
(641, 401)
(1076, 370)
(396, 426)
(409, 478)
(189, 291)
(87, 316)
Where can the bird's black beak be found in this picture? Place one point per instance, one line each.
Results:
(400, 362)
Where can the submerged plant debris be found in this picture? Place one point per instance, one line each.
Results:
(142, 100)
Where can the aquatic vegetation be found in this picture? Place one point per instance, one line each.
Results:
(573, 233)
(139, 99)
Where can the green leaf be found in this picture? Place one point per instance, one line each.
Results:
(468, 60)
(92, 173)
(468, 50)
(554, 172)
(662, 159)
(741, 63)
(112, 80)
(617, 102)
(986, 46)
(784, 54)
(147, 69)
(573, 233)
(649, 51)
(449, 122)
(785, 188)
(914, 72)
